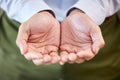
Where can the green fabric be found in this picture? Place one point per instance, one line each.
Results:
(13, 66)
(105, 65)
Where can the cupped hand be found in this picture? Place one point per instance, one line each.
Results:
(81, 38)
(38, 38)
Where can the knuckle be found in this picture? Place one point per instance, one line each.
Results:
(44, 22)
(37, 64)
(80, 61)
(89, 57)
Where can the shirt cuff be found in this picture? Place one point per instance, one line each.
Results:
(29, 8)
(93, 9)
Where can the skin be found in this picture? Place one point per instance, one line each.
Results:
(81, 38)
(78, 38)
(38, 38)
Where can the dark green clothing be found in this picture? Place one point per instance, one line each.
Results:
(13, 66)
(105, 65)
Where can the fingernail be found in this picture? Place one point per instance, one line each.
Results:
(46, 58)
(61, 63)
(54, 60)
(72, 56)
(64, 59)
(38, 62)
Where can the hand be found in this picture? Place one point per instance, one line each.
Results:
(38, 38)
(81, 38)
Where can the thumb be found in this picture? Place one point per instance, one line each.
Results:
(98, 41)
(22, 38)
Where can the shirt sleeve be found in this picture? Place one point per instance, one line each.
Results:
(98, 10)
(22, 10)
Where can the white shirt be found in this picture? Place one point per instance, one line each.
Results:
(97, 10)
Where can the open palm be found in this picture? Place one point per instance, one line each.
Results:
(81, 38)
(38, 38)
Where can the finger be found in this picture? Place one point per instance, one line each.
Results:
(72, 57)
(64, 56)
(55, 57)
(87, 54)
(38, 61)
(46, 58)
(30, 56)
(65, 48)
(51, 49)
(61, 63)
(46, 64)
(79, 60)
(98, 41)
(22, 38)
(97, 45)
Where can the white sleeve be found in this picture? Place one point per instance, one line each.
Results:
(22, 10)
(98, 10)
